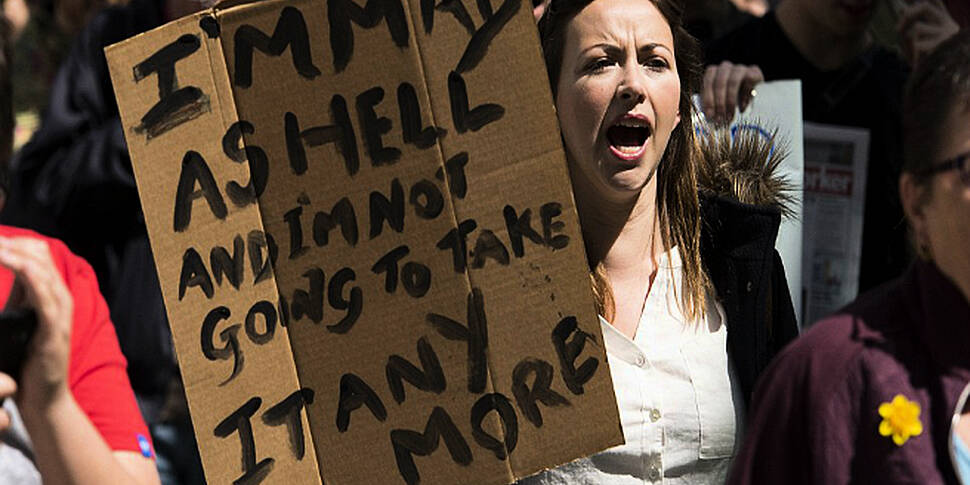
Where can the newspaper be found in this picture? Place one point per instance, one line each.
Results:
(834, 200)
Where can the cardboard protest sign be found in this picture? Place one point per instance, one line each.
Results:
(366, 240)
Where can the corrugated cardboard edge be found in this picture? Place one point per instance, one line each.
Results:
(512, 474)
(227, 102)
(225, 105)
(229, 4)
(239, 6)
(510, 477)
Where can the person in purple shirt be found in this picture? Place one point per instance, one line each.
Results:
(867, 395)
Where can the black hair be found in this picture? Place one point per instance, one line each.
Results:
(939, 85)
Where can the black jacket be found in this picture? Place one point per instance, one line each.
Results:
(867, 93)
(742, 202)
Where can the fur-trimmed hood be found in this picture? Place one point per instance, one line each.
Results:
(743, 199)
(744, 167)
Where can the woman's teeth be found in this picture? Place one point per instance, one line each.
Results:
(624, 135)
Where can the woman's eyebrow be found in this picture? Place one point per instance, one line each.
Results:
(613, 49)
(610, 49)
(646, 48)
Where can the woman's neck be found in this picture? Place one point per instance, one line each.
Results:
(622, 235)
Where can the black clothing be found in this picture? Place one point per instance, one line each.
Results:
(816, 419)
(738, 251)
(866, 93)
(74, 181)
(707, 20)
(742, 202)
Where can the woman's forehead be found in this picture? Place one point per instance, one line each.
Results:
(619, 22)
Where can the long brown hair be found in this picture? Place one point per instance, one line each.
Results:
(678, 206)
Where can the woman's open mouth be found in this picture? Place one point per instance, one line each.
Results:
(628, 137)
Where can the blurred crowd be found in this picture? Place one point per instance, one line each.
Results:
(67, 176)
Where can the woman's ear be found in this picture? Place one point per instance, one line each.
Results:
(913, 196)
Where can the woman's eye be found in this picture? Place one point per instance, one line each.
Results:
(656, 63)
(598, 65)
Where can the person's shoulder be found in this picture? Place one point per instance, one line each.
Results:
(57, 247)
(69, 264)
(844, 338)
(742, 44)
(115, 23)
(889, 70)
(829, 343)
(879, 312)
(889, 61)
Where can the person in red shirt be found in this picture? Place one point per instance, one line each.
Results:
(70, 416)
(73, 393)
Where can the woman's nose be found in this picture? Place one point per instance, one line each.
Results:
(633, 88)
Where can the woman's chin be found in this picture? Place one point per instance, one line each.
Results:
(611, 181)
(622, 186)
(628, 178)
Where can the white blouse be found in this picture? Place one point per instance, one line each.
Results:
(679, 399)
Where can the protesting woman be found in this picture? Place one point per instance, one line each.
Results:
(691, 292)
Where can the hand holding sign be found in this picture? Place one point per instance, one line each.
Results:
(728, 86)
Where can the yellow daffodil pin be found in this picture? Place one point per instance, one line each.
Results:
(900, 419)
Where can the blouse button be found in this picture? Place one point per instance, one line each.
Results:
(654, 415)
(641, 360)
(654, 473)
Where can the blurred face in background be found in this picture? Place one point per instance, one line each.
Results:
(617, 96)
(838, 17)
(941, 220)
